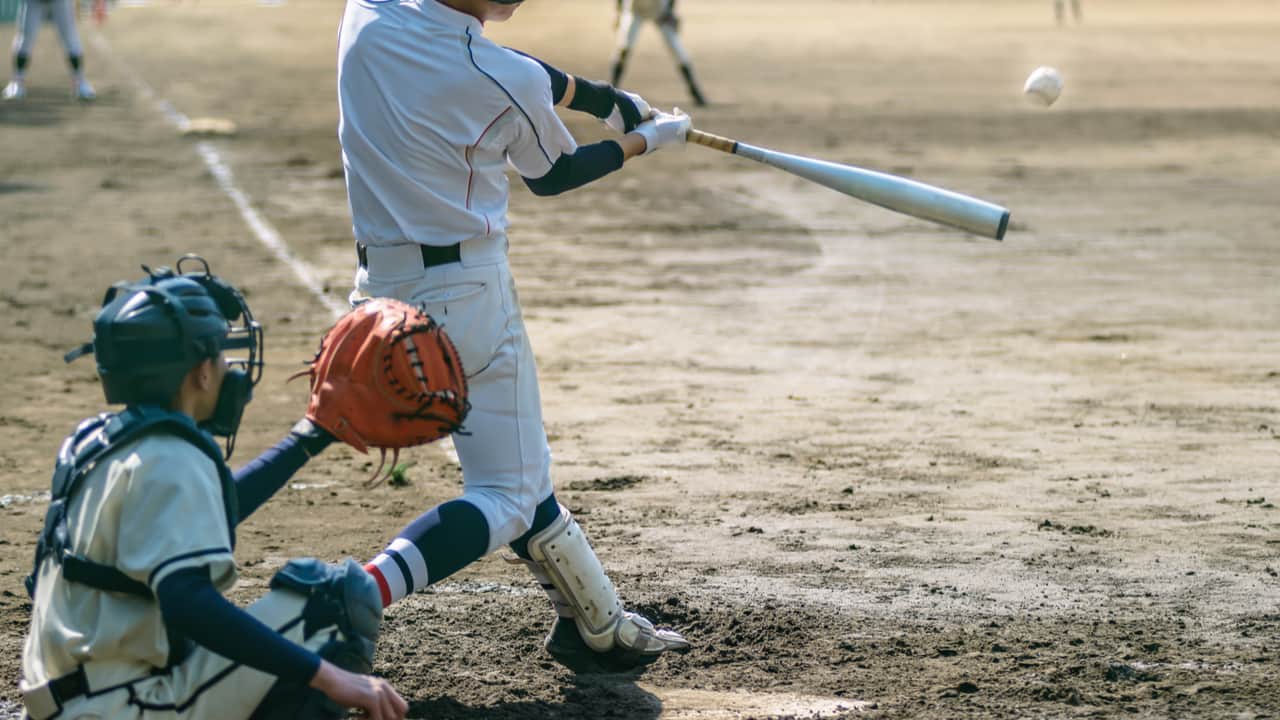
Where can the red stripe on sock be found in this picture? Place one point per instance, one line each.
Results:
(383, 588)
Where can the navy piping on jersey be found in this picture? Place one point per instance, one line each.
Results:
(511, 97)
(179, 707)
(185, 556)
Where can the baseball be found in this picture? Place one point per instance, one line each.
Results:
(1043, 86)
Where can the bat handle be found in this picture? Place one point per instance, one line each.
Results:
(715, 142)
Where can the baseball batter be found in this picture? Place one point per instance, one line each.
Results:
(432, 114)
(31, 15)
(128, 619)
(632, 15)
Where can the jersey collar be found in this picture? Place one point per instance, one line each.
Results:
(442, 13)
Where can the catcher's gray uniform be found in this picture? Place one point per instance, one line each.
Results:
(128, 617)
(154, 510)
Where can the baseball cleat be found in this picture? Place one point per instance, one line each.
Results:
(84, 91)
(639, 643)
(15, 90)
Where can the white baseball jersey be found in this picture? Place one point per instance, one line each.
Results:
(148, 518)
(431, 113)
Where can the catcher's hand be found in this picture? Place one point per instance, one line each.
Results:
(387, 376)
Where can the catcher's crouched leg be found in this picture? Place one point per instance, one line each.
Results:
(593, 633)
(341, 618)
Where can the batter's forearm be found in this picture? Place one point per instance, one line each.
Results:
(632, 144)
(588, 163)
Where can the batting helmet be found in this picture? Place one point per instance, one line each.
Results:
(149, 334)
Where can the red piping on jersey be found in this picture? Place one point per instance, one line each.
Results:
(471, 171)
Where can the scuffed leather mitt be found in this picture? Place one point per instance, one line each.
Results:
(387, 376)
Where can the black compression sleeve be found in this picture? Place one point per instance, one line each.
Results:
(267, 473)
(193, 607)
(590, 162)
(590, 96)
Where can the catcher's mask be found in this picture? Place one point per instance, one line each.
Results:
(150, 333)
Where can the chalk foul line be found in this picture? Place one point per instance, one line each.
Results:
(266, 234)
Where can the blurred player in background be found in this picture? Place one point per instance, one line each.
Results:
(1060, 11)
(632, 14)
(31, 15)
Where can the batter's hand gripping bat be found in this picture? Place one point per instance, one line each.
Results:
(888, 191)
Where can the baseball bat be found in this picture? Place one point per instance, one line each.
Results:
(899, 194)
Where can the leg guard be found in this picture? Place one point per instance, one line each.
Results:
(593, 633)
(343, 603)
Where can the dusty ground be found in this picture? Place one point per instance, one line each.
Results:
(868, 465)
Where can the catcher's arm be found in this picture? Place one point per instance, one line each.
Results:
(192, 607)
(263, 476)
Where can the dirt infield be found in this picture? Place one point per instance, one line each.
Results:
(870, 466)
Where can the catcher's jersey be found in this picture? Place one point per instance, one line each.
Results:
(430, 115)
(155, 508)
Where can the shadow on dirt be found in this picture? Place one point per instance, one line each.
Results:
(605, 696)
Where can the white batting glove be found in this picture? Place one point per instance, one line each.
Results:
(664, 129)
(624, 120)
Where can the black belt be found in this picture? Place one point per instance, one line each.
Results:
(432, 255)
(70, 686)
(48, 700)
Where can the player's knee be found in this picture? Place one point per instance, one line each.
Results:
(510, 515)
(341, 596)
(544, 514)
(337, 595)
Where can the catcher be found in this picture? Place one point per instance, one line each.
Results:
(127, 618)
(432, 114)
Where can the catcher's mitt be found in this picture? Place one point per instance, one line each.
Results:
(387, 376)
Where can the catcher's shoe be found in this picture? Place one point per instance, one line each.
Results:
(638, 644)
(83, 91)
(15, 90)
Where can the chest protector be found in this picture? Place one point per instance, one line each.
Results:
(92, 442)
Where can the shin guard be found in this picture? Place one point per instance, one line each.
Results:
(594, 631)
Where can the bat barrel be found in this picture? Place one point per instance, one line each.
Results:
(891, 191)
